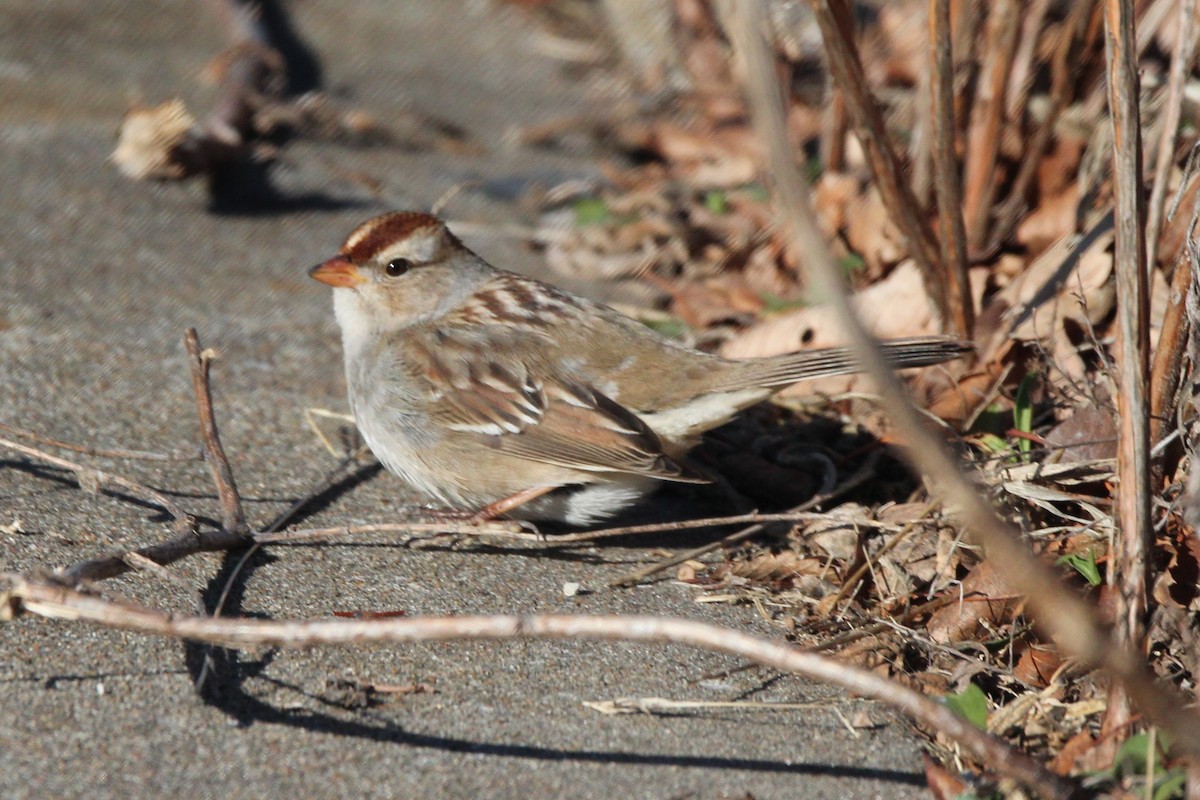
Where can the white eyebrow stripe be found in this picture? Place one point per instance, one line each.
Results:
(358, 234)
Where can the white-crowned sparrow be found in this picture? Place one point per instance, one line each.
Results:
(487, 390)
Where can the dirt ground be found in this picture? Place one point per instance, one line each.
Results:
(99, 278)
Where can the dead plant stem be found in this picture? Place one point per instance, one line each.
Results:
(20, 594)
(947, 187)
(1181, 62)
(233, 518)
(1128, 571)
(1068, 618)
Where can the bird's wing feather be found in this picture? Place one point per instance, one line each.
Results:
(552, 419)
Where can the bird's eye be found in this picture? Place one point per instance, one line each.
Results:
(397, 267)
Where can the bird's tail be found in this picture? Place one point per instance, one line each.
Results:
(919, 351)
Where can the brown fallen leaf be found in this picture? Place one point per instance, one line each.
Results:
(871, 233)
(1090, 433)
(943, 785)
(1179, 584)
(988, 603)
(1037, 665)
(958, 402)
(716, 299)
(1053, 218)
(148, 147)
(1064, 762)
(776, 566)
(896, 306)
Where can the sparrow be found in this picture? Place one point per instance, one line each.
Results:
(487, 390)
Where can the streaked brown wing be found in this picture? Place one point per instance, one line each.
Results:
(549, 419)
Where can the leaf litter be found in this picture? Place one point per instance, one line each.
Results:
(683, 223)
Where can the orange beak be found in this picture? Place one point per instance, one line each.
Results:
(338, 272)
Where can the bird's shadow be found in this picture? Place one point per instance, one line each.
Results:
(221, 675)
(225, 672)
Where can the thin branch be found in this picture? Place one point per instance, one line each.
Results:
(19, 594)
(1181, 66)
(920, 147)
(1070, 32)
(173, 549)
(1128, 572)
(233, 518)
(233, 532)
(945, 170)
(1021, 78)
(834, 125)
(94, 479)
(98, 452)
(1166, 373)
(1068, 618)
(835, 20)
(987, 120)
(506, 529)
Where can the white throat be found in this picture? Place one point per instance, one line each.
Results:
(354, 318)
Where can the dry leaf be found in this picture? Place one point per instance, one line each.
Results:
(896, 306)
(1053, 219)
(942, 784)
(871, 233)
(1037, 665)
(1179, 584)
(778, 566)
(148, 141)
(1089, 434)
(717, 299)
(987, 604)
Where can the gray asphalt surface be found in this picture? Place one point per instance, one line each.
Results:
(100, 276)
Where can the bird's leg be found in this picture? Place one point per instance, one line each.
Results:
(491, 510)
(503, 506)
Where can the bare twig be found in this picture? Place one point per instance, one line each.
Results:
(98, 452)
(504, 529)
(1022, 76)
(834, 18)
(945, 170)
(987, 120)
(1068, 618)
(1071, 31)
(834, 124)
(232, 517)
(920, 147)
(94, 479)
(1166, 373)
(233, 532)
(1128, 573)
(1181, 63)
(19, 594)
(177, 547)
(1152, 15)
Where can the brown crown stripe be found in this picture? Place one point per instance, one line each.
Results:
(376, 234)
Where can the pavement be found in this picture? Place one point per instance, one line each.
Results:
(100, 276)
